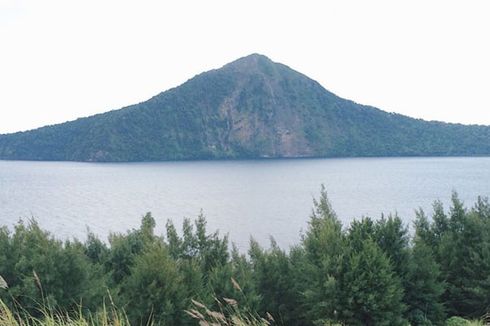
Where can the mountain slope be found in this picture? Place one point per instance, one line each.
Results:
(249, 108)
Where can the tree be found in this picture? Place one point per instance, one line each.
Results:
(210, 250)
(41, 270)
(324, 248)
(370, 292)
(125, 247)
(153, 291)
(464, 255)
(235, 280)
(459, 242)
(392, 237)
(423, 287)
(274, 280)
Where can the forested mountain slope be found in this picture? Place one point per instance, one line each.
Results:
(250, 108)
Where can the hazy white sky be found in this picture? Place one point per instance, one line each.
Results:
(64, 59)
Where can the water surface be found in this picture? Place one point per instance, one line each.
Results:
(261, 198)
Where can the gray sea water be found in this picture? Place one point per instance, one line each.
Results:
(260, 198)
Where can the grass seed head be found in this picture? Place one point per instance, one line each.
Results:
(236, 285)
(3, 283)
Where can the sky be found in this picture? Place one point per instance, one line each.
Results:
(64, 59)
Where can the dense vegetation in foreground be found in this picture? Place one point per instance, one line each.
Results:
(370, 273)
(250, 108)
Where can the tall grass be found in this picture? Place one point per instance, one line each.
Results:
(51, 317)
(228, 314)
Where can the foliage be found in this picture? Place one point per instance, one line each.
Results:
(371, 272)
(229, 314)
(251, 108)
(274, 278)
(371, 293)
(424, 288)
(155, 287)
(458, 321)
(460, 243)
(51, 317)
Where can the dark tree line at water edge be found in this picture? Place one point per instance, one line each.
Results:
(372, 272)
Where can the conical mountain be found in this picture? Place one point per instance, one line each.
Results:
(249, 108)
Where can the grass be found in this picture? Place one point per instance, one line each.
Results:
(49, 317)
(228, 314)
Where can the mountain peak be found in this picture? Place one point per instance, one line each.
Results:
(252, 58)
(251, 62)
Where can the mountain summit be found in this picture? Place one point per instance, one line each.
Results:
(249, 108)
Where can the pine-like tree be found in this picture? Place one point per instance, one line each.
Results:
(154, 290)
(424, 288)
(370, 292)
(324, 248)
